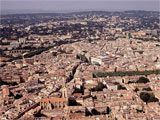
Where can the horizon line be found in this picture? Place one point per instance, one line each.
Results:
(26, 11)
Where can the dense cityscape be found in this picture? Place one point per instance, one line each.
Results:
(93, 65)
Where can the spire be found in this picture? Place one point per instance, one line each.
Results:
(64, 83)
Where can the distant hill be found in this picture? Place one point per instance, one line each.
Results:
(51, 12)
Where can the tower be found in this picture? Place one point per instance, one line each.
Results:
(23, 59)
(64, 90)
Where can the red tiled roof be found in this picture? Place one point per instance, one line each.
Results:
(52, 100)
(74, 115)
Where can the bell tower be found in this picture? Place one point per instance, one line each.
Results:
(64, 90)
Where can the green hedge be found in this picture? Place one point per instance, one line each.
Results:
(127, 73)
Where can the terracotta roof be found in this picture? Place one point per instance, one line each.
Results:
(4, 58)
(77, 94)
(52, 100)
(74, 115)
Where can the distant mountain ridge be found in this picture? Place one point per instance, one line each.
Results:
(10, 12)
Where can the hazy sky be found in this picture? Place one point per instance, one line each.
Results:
(79, 5)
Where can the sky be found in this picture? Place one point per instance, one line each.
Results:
(77, 5)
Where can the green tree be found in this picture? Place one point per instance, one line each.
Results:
(148, 97)
(99, 87)
(147, 89)
(144, 96)
(142, 80)
(82, 58)
(136, 89)
(129, 35)
(95, 112)
(54, 53)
